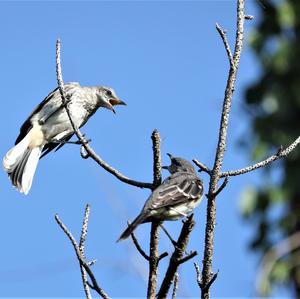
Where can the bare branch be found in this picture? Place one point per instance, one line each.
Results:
(175, 287)
(84, 229)
(202, 166)
(81, 261)
(226, 44)
(176, 257)
(82, 251)
(249, 17)
(154, 234)
(89, 151)
(154, 259)
(168, 235)
(156, 159)
(139, 248)
(163, 255)
(214, 277)
(188, 257)
(198, 272)
(224, 184)
(221, 146)
(280, 154)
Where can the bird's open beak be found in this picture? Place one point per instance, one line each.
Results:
(113, 102)
(116, 101)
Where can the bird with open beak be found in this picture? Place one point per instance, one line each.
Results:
(175, 198)
(48, 127)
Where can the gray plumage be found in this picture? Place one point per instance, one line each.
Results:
(48, 127)
(175, 198)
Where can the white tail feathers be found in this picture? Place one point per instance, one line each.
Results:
(14, 155)
(20, 163)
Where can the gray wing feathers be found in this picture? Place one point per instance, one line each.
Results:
(175, 191)
(51, 103)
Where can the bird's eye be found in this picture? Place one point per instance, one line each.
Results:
(108, 93)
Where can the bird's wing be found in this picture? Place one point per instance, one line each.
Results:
(176, 190)
(46, 103)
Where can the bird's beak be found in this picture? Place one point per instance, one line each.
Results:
(165, 167)
(116, 101)
(170, 156)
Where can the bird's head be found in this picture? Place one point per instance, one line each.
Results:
(107, 98)
(179, 165)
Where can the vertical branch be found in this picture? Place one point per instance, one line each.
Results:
(154, 235)
(156, 158)
(207, 273)
(82, 251)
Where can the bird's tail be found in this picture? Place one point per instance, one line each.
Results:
(131, 227)
(20, 163)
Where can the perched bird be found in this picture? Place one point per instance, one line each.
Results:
(48, 127)
(175, 198)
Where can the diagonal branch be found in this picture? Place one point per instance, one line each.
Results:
(89, 151)
(222, 33)
(177, 257)
(95, 286)
(280, 154)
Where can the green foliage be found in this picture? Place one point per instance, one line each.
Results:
(275, 101)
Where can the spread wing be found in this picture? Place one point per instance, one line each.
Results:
(175, 191)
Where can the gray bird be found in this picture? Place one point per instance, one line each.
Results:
(175, 198)
(48, 127)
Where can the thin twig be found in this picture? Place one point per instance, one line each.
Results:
(81, 261)
(207, 273)
(175, 286)
(280, 154)
(198, 275)
(226, 44)
(90, 152)
(168, 235)
(202, 166)
(176, 257)
(163, 255)
(223, 185)
(188, 257)
(139, 248)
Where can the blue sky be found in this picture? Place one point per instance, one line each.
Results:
(166, 60)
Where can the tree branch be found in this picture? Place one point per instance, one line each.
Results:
(280, 154)
(202, 166)
(95, 286)
(89, 151)
(207, 273)
(175, 287)
(226, 44)
(139, 248)
(154, 259)
(154, 235)
(177, 256)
